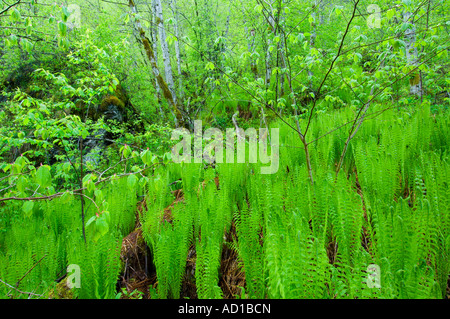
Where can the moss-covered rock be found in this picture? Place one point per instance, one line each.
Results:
(61, 291)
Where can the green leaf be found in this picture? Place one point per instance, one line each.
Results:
(15, 15)
(21, 183)
(407, 2)
(66, 167)
(167, 157)
(6, 167)
(90, 220)
(126, 151)
(43, 176)
(65, 13)
(209, 66)
(305, 45)
(131, 181)
(101, 226)
(28, 208)
(390, 13)
(20, 162)
(90, 185)
(62, 27)
(13, 39)
(107, 216)
(443, 53)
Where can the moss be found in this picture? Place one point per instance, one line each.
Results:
(111, 100)
(120, 93)
(415, 79)
(61, 291)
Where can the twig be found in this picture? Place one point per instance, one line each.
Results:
(18, 282)
(332, 64)
(19, 291)
(81, 191)
(9, 7)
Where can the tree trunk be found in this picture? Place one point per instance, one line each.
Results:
(251, 48)
(412, 54)
(173, 6)
(155, 51)
(312, 40)
(140, 34)
(165, 49)
(271, 22)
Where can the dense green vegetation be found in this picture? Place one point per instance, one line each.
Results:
(90, 96)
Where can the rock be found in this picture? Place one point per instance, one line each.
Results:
(94, 157)
(61, 291)
(93, 148)
(113, 113)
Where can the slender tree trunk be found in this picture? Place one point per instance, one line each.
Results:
(140, 34)
(198, 32)
(412, 54)
(268, 54)
(272, 27)
(81, 189)
(312, 40)
(154, 34)
(280, 50)
(251, 48)
(165, 49)
(322, 6)
(353, 131)
(173, 6)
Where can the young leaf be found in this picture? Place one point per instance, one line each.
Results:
(15, 15)
(101, 226)
(43, 176)
(146, 157)
(90, 220)
(28, 208)
(131, 181)
(62, 27)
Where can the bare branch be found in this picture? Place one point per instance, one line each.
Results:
(9, 7)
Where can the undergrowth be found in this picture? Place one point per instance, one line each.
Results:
(389, 206)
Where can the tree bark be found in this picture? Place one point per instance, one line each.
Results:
(173, 6)
(412, 54)
(271, 21)
(155, 51)
(312, 40)
(140, 34)
(251, 48)
(165, 49)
